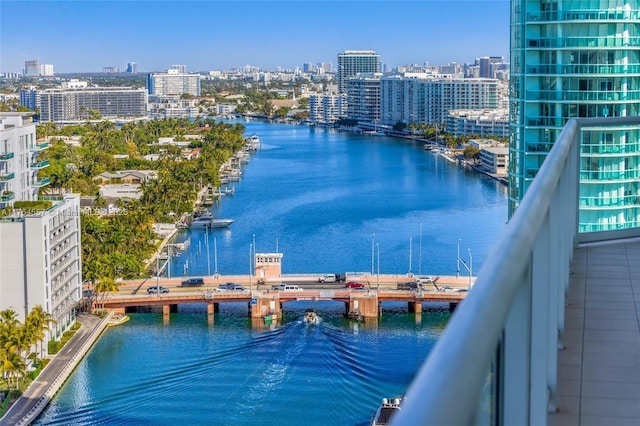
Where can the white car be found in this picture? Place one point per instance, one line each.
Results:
(287, 287)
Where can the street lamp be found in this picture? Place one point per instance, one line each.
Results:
(410, 247)
(206, 242)
(373, 237)
(215, 257)
(250, 264)
(420, 254)
(378, 276)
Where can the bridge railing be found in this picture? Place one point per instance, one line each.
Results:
(496, 361)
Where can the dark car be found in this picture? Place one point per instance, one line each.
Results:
(354, 284)
(231, 286)
(192, 282)
(156, 290)
(413, 285)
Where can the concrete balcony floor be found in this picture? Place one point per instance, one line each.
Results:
(599, 367)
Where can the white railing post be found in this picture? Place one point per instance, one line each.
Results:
(515, 355)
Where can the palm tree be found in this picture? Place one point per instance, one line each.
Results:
(39, 320)
(104, 286)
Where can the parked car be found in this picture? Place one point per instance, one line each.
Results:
(231, 286)
(192, 282)
(158, 289)
(354, 284)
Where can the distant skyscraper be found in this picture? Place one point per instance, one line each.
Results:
(32, 67)
(46, 70)
(577, 59)
(182, 69)
(132, 68)
(110, 70)
(354, 62)
(173, 82)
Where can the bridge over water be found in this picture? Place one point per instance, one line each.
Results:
(265, 303)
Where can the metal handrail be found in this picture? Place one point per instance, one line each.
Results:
(448, 387)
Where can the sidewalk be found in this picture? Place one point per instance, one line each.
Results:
(44, 387)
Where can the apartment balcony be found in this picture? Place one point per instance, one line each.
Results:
(7, 176)
(39, 165)
(584, 15)
(549, 333)
(37, 147)
(7, 196)
(6, 156)
(580, 42)
(584, 69)
(41, 182)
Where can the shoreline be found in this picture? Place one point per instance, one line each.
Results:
(51, 379)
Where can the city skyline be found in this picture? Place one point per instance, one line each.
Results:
(268, 34)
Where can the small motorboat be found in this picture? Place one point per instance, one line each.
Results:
(384, 413)
(311, 317)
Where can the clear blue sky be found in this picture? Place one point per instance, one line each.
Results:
(84, 36)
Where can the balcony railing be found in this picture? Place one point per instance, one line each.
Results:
(41, 182)
(7, 176)
(7, 196)
(39, 146)
(513, 318)
(6, 156)
(39, 165)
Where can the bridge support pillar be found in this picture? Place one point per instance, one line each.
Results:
(261, 306)
(415, 307)
(365, 306)
(166, 310)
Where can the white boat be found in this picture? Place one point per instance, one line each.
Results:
(207, 220)
(386, 411)
(311, 317)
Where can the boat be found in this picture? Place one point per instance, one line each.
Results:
(384, 413)
(207, 220)
(311, 317)
(428, 147)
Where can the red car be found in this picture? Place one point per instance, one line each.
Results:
(353, 284)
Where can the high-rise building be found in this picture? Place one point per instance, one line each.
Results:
(68, 105)
(19, 162)
(32, 67)
(46, 70)
(181, 69)
(110, 70)
(363, 98)
(40, 247)
(354, 62)
(30, 98)
(132, 68)
(426, 98)
(578, 59)
(173, 82)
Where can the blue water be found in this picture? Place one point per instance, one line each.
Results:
(321, 195)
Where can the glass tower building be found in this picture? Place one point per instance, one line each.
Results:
(578, 58)
(354, 62)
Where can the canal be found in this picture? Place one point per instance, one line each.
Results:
(324, 199)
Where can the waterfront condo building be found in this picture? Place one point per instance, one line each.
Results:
(39, 247)
(427, 98)
(578, 59)
(173, 82)
(354, 62)
(75, 104)
(325, 109)
(363, 98)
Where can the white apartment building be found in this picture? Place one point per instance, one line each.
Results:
(324, 109)
(40, 262)
(39, 249)
(495, 160)
(30, 98)
(19, 162)
(418, 99)
(478, 122)
(173, 82)
(70, 105)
